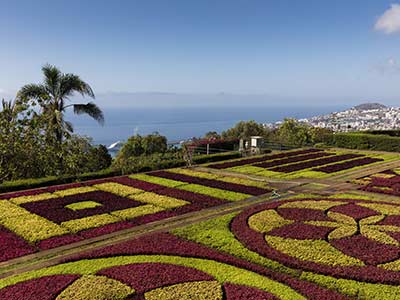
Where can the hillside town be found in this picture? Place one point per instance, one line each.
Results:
(368, 116)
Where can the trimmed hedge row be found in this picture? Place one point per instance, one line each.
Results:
(24, 184)
(364, 141)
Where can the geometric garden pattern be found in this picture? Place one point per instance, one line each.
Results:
(305, 246)
(46, 218)
(348, 238)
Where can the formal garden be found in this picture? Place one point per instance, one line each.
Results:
(247, 228)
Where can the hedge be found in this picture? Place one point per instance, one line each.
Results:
(24, 184)
(364, 141)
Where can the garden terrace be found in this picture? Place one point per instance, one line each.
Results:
(335, 242)
(305, 247)
(348, 165)
(292, 159)
(385, 182)
(50, 217)
(314, 162)
(322, 164)
(265, 158)
(344, 243)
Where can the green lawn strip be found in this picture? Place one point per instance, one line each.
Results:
(229, 160)
(220, 271)
(316, 186)
(247, 169)
(359, 290)
(215, 233)
(195, 188)
(335, 196)
(256, 156)
(158, 180)
(217, 193)
(220, 177)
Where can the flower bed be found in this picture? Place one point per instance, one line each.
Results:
(386, 182)
(314, 163)
(249, 161)
(294, 159)
(234, 187)
(334, 247)
(349, 245)
(310, 165)
(348, 240)
(159, 266)
(348, 165)
(46, 218)
(202, 187)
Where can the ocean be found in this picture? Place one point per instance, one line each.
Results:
(180, 123)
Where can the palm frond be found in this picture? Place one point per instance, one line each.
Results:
(91, 109)
(71, 83)
(68, 126)
(52, 78)
(33, 91)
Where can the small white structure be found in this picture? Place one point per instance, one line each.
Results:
(256, 141)
(115, 146)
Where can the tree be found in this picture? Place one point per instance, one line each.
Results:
(291, 132)
(22, 148)
(320, 135)
(52, 96)
(154, 143)
(25, 150)
(244, 130)
(212, 135)
(81, 156)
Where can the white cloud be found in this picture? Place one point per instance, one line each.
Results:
(389, 22)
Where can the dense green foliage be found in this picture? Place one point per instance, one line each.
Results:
(36, 141)
(385, 132)
(27, 150)
(143, 145)
(23, 184)
(157, 161)
(290, 133)
(244, 130)
(364, 141)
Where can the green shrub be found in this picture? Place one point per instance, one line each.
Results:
(364, 141)
(142, 164)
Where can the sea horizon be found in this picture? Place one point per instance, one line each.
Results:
(182, 123)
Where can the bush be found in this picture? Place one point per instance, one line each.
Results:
(24, 184)
(166, 161)
(138, 145)
(384, 132)
(215, 145)
(140, 164)
(364, 141)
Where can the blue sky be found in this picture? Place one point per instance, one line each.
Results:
(303, 51)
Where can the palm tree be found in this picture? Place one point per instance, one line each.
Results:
(53, 94)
